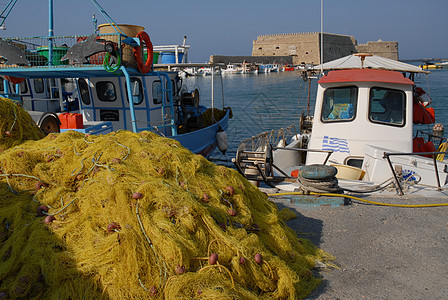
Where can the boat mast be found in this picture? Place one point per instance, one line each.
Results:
(321, 35)
(50, 32)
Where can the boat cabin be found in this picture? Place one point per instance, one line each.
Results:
(358, 107)
(104, 100)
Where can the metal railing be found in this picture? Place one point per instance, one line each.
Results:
(37, 49)
(387, 155)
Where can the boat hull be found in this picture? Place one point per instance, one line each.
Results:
(203, 141)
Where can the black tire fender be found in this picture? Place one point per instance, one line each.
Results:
(49, 117)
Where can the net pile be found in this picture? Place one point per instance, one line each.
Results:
(136, 216)
(16, 125)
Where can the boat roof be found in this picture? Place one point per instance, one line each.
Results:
(368, 61)
(81, 71)
(365, 75)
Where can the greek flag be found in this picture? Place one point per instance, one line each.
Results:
(335, 144)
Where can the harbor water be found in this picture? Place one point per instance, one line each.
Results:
(276, 100)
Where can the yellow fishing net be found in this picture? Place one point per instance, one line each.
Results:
(16, 125)
(136, 216)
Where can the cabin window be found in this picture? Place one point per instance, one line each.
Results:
(38, 85)
(23, 87)
(339, 104)
(51, 84)
(84, 91)
(387, 106)
(157, 91)
(105, 90)
(2, 85)
(137, 91)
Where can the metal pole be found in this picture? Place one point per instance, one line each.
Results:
(213, 92)
(222, 86)
(131, 100)
(50, 33)
(321, 35)
(386, 155)
(309, 93)
(184, 43)
(437, 172)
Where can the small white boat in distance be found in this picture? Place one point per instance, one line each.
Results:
(274, 68)
(249, 69)
(232, 69)
(262, 68)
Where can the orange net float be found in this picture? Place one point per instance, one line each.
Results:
(138, 53)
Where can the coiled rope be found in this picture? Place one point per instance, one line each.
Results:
(318, 185)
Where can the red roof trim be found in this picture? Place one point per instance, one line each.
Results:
(362, 75)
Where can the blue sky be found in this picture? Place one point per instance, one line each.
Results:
(229, 27)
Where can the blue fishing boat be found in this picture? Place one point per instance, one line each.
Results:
(104, 82)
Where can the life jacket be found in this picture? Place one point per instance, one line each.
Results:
(423, 115)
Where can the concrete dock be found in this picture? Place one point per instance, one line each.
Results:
(382, 252)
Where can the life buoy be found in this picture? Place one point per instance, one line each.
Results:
(14, 80)
(138, 53)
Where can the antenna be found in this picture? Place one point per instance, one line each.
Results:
(95, 23)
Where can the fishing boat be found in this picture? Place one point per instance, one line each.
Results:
(288, 68)
(231, 69)
(262, 68)
(431, 66)
(249, 69)
(274, 68)
(364, 127)
(105, 82)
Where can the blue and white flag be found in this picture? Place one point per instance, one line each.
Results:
(335, 144)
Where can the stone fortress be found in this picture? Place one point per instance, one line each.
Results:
(305, 47)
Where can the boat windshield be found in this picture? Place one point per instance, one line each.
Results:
(339, 104)
(387, 106)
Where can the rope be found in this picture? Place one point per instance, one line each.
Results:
(55, 213)
(106, 62)
(442, 148)
(318, 185)
(150, 243)
(363, 200)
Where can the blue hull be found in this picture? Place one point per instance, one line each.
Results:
(203, 141)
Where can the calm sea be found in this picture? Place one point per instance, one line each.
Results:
(272, 101)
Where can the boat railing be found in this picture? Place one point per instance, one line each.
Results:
(434, 155)
(438, 138)
(39, 49)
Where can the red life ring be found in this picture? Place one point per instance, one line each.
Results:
(14, 80)
(138, 53)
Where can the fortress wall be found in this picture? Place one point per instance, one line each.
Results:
(301, 46)
(380, 48)
(305, 47)
(224, 59)
(337, 46)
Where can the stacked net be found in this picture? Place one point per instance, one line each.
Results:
(16, 125)
(137, 216)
